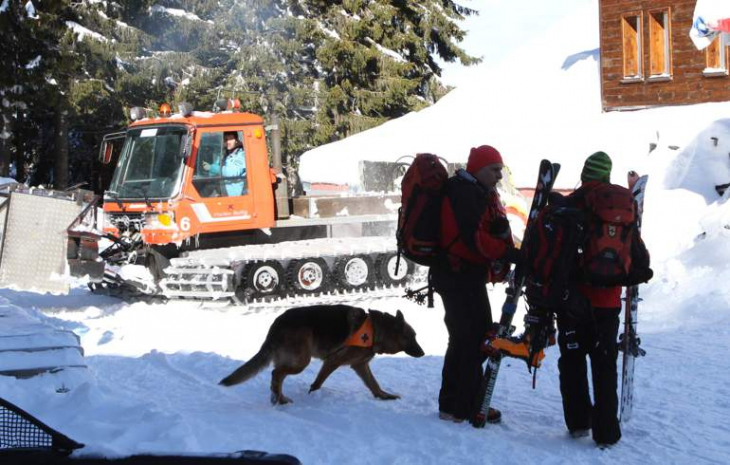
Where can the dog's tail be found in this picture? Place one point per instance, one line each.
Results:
(249, 369)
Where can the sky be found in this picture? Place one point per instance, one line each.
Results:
(500, 25)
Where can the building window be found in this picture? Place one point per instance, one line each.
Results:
(716, 55)
(660, 47)
(631, 32)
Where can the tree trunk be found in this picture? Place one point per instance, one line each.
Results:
(6, 135)
(60, 167)
(20, 147)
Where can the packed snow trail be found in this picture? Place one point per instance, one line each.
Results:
(152, 386)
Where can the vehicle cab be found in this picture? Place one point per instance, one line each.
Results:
(176, 177)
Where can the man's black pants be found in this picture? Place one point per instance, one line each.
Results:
(467, 317)
(595, 338)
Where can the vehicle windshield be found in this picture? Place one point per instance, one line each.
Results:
(151, 163)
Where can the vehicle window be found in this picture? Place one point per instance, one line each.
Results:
(151, 163)
(220, 166)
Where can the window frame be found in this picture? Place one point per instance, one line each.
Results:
(200, 181)
(722, 52)
(666, 43)
(638, 34)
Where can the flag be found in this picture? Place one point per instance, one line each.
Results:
(711, 18)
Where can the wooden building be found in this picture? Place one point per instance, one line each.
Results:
(648, 58)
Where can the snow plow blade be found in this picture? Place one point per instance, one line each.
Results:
(34, 241)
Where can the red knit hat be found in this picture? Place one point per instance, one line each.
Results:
(482, 156)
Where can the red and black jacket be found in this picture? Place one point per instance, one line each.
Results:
(467, 214)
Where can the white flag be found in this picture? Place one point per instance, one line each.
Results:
(712, 17)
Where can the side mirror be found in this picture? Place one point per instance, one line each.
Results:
(105, 155)
(111, 145)
(187, 148)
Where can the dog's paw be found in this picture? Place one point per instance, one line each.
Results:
(280, 400)
(313, 388)
(386, 396)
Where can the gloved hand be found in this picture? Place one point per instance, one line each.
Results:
(500, 228)
(513, 255)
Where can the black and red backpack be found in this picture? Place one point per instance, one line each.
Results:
(611, 233)
(553, 253)
(419, 217)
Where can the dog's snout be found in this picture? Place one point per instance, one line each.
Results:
(414, 350)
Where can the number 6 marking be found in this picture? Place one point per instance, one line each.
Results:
(185, 223)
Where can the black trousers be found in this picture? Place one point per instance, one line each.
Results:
(467, 317)
(596, 338)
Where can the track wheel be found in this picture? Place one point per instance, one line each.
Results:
(388, 273)
(355, 272)
(309, 275)
(265, 279)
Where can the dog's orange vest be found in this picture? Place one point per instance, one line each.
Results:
(363, 337)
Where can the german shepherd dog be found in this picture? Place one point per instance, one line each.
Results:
(326, 332)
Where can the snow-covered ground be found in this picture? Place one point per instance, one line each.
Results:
(151, 382)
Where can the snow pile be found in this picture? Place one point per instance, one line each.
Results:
(543, 102)
(704, 163)
(687, 227)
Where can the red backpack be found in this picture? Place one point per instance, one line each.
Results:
(552, 253)
(611, 231)
(419, 217)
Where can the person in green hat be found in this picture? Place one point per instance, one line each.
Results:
(597, 167)
(592, 334)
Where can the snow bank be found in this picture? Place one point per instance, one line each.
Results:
(547, 106)
(704, 163)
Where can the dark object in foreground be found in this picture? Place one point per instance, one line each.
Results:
(21, 431)
(25, 440)
(246, 457)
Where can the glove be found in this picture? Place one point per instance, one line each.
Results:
(513, 255)
(500, 228)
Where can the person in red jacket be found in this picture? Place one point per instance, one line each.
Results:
(475, 233)
(593, 334)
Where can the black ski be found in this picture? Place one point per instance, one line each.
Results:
(545, 180)
(629, 342)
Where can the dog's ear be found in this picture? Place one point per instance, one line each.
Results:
(399, 319)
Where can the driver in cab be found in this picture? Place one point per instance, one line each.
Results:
(234, 164)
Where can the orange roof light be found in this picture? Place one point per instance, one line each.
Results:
(234, 104)
(165, 110)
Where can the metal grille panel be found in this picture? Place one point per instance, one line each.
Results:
(34, 244)
(18, 433)
(21, 431)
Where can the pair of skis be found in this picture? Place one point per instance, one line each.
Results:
(545, 180)
(629, 342)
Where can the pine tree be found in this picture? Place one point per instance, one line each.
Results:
(328, 69)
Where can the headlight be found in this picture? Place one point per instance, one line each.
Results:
(163, 220)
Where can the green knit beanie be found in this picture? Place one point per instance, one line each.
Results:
(597, 168)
